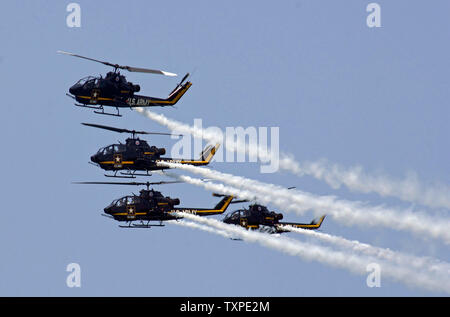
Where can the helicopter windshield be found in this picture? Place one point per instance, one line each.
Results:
(132, 200)
(106, 150)
(114, 148)
(127, 200)
(118, 202)
(259, 208)
(84, 80)
(235, 215)
(119, 148)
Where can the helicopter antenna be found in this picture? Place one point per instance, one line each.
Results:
(133, 132)
(117, 66)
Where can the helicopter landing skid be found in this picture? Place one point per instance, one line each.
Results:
(145, 226)
(107, 113)
(99, 108)
(130, 175)
(127, 174)
(134, 174)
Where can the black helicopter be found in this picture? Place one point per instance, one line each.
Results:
(258, 217)
(115, 91)
(151, 205)
(137, 155)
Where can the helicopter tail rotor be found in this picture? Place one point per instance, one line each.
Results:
(179, 84)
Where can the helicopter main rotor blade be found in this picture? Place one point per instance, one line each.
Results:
(128, 68)
(88, 58)
(148, 71)
(128, 183)
(119, 130)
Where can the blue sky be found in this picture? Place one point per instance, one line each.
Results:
(336, 89)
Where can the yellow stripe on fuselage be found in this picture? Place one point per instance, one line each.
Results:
(112, 162)
(197, 211)
(99, 98)
(127, 214)
(175, 100)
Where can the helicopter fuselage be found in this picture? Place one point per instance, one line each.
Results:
(259, 217)
(255, 216)
(151, 205)
(135, 154)
(115, 91)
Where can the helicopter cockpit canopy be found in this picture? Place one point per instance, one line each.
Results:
(112, 149)
(259, 208)
(89, 80)
(124, 201)
(234, 216)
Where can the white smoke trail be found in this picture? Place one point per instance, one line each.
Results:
(409, 189)
(235, 145)
(347, 212)
(423, 263)
(180, 127)
(351, 262)
(354, 178)
(219, 188)
(195, 225)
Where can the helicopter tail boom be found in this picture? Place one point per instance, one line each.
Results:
(205, 157)
(217, 210)
(315, 224)
(172, 99)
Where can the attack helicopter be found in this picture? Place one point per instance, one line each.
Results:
(138, 155)
(258, 217)
(115, 91)
(151, 205)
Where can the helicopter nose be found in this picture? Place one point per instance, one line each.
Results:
(94, 158)
(74, 89)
